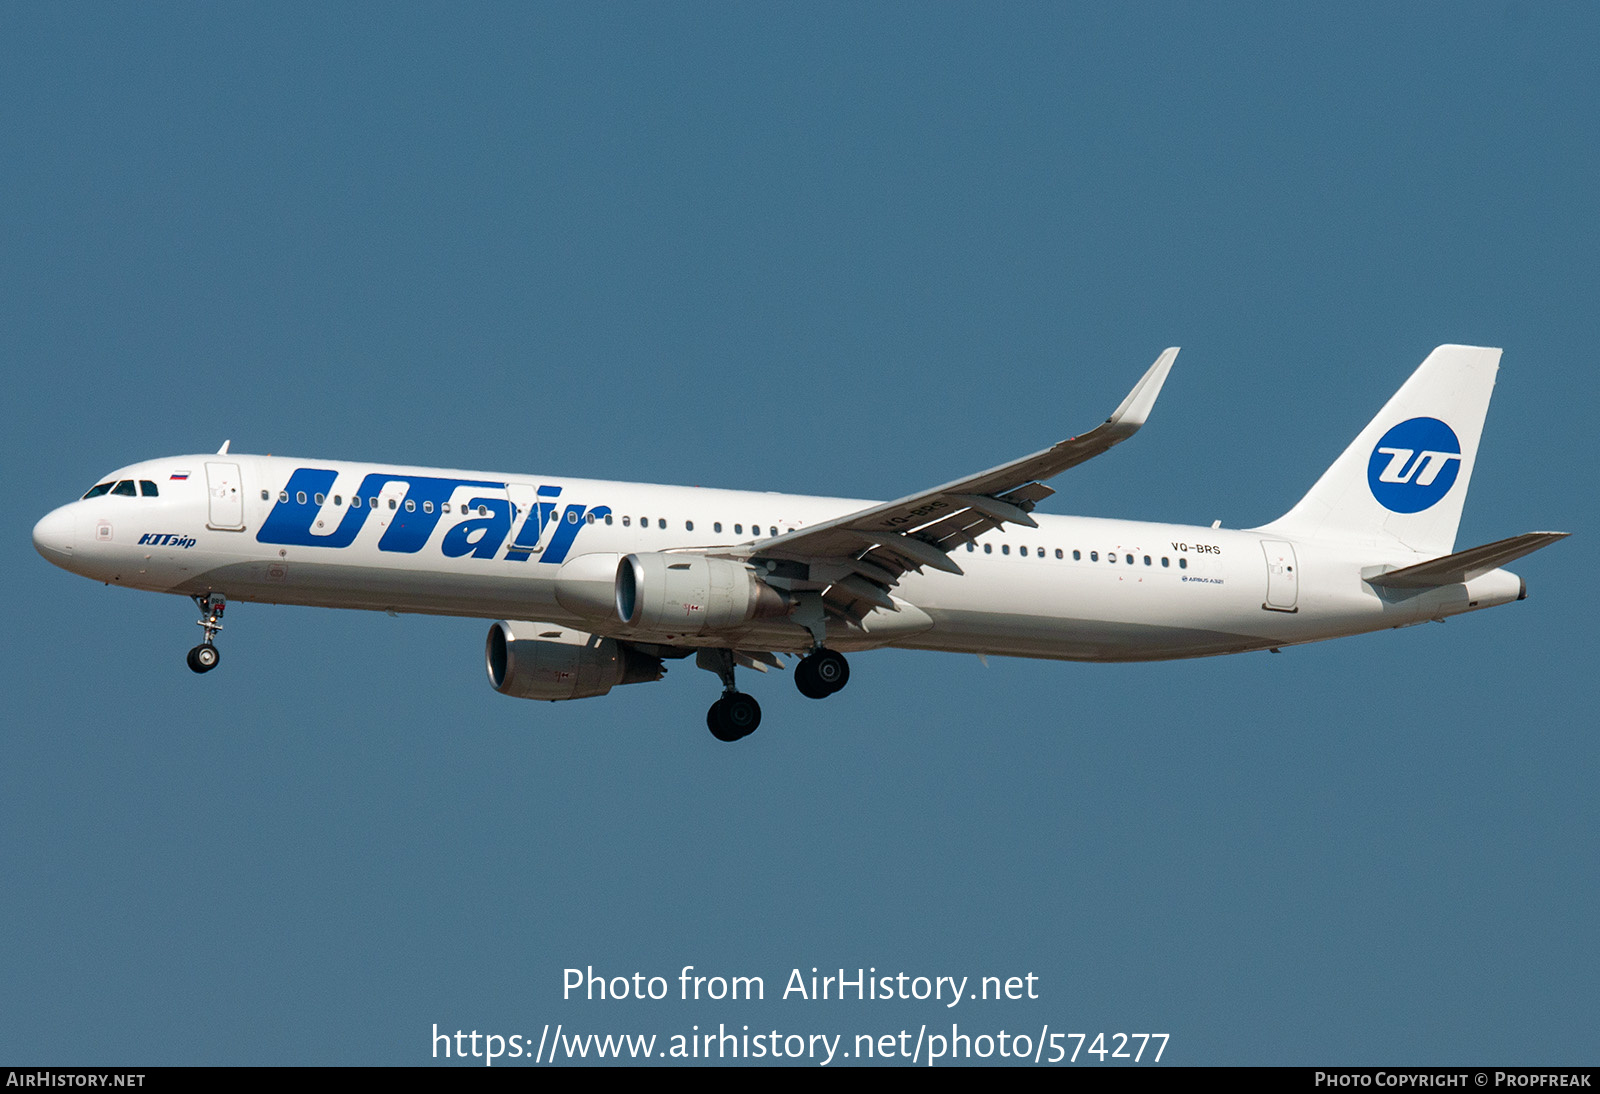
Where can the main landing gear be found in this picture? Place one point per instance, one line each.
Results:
(204, 657)
(736, 714)
(733, 716)
(821, 673)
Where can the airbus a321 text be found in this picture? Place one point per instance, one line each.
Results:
(597, 584)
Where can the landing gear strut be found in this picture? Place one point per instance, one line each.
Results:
(821, 673)
(736, 714)
(204, 657)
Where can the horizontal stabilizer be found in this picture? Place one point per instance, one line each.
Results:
(1466, 565)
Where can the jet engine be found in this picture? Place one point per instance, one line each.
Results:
(545, 661)
(692, 594)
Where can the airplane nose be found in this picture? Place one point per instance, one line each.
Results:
(53, 536)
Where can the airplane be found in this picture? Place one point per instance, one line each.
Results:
(598, 584)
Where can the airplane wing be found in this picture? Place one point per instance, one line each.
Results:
(858, 557)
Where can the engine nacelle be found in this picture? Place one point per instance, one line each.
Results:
(692, 594)
(545, 661)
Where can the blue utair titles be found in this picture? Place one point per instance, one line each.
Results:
(488, 517)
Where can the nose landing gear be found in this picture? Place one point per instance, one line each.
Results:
(204, 657)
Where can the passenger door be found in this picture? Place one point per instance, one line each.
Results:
(225, 497)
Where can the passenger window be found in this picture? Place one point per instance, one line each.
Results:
(391, 503)
(1059, 554)
(265, 496)
(688, 526)
(1147, 560)
(644, 522)
(970, 548)
(1183, 564)
(1165, 561)
(1005, 548)
(608, 518)
(411, 506)
(589, 518)
(717, 527)
(355, 501)
(1077, 555)
(300, 497)
(988, 548)
(427, 507)
(572, 516)
(483, 510)
(661, 522)
(372, 502)
(320, 499)
(1130, 560)
(1094, 556)
(1039, 553)
(337, 500)
(772, 531)
(626, 521)
(283, 496)
(738, 529)
(97, 489)
(124, 488)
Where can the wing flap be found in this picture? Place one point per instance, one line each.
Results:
(759, 660)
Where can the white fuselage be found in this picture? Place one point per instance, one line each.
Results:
(481, 544)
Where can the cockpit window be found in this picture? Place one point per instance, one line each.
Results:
(98, 489)
(125, 488)
(148, 488)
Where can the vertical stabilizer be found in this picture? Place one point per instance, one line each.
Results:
(1403, 480)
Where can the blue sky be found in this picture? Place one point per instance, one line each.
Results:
(838, 249)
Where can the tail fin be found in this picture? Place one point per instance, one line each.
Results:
(1403, 480)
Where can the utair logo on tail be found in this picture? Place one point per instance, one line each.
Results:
(1414, 465)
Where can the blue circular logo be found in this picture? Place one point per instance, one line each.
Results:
(1414, 465)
